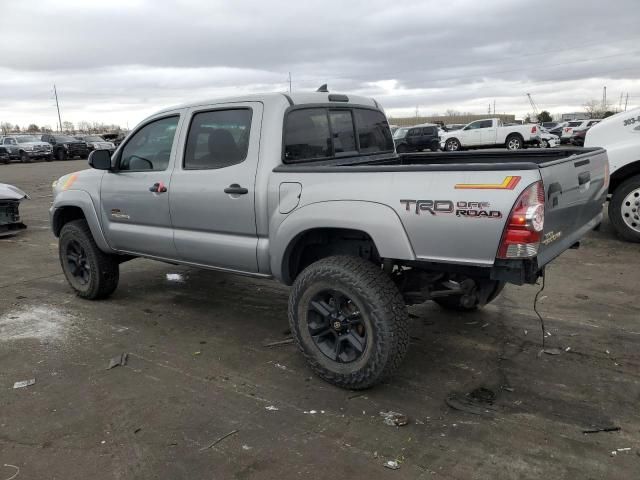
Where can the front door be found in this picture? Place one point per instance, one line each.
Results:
(134, 197)
(213, 187)
(472, 135)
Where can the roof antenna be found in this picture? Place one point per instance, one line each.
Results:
(323, 88)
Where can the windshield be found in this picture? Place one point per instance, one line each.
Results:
(400, 133)
(27, 139)
(93, 138)
(65, 139)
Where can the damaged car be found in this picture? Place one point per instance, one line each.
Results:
(10, 198)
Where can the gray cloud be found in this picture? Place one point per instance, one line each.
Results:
(120, 60)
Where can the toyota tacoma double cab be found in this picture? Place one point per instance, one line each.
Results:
(490, 133)
(308, 190)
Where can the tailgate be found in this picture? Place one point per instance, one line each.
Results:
(575, 190)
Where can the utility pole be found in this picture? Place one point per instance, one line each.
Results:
(55, 92)
(626, 100)
(289, 82)
(604, 99)
(494, 106)
(417, 111)
(620, 102)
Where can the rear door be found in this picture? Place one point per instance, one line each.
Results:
(213, 187)
(575, 190)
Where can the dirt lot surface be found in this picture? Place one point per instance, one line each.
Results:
(198, 370)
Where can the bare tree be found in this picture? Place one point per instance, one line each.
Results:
(452, 113)
(84, 126)
(33, 128)
(6, 127)
(67, 126)
(594, 108)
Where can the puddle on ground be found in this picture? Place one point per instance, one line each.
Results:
(37, 322)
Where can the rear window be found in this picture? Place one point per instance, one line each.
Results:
(320, 133)
(574, 124)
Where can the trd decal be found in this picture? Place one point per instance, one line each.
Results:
(551, 237)
(434, 207)
(460, 209)
(476, 210)
(509, 183)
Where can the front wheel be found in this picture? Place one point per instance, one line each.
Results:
(624, 209)
(544, 143)
(452, 145)
(91, 273)
(25, 158)
(349, 320)
(60, 155)
(402, 149)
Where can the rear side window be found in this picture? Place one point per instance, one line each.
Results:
(218, 139)
(307, 135)
(316, 133)
(486, 124)
(429, 130)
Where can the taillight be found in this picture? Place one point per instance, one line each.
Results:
(523, 231)
(534, 129)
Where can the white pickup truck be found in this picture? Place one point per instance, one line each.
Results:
(620, 135)
(490, 133)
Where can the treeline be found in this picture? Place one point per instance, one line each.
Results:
(67, 127)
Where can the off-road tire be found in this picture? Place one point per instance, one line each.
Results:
(104, 268)
(60, 155)
(24, 157)
(453, 302)
(402, 149)
(514, 142)
(623, 230)
(49, 158)
(380, 303)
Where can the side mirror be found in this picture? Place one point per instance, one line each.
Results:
(100, 160)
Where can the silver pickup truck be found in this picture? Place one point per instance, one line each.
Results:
(307, 189)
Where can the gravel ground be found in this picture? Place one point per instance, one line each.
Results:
(198, 370)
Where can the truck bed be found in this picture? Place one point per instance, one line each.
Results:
(446, 161)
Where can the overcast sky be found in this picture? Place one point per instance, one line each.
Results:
(116, 61)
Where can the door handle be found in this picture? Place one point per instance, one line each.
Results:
(235, 189)
(158, 187)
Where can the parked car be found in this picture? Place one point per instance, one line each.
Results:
(549, 125)
(96, 142)
(10, 198)
(4, 155)
(620, 135)
(490, 133)
(548, 139)
(557, 130)
(570, 127)
(578, 136)
(115, 138)
(306, 188)
(417, 138)
(26, 148)
(65, 146)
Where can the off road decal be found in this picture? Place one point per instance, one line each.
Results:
(446, 207)
(509, 183)
(551, 237)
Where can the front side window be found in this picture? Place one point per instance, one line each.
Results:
(344, 137)
(27, 139)
(473, 126)
(218, 139)
(9, 141)
(486, 124)
(414, 132)
(150, 147)
(307, 135)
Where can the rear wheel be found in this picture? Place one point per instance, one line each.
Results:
(349, 320)
(402, 148)
(91, 273)
(624, 209)
(484, 292)
(452, 145)
(514, 142)
(24, 157)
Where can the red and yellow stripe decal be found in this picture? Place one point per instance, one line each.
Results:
(69, 181)
(509, 183)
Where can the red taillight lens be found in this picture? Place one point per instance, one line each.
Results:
(534, 129)
(523, 231)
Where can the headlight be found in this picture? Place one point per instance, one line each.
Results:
(65, 145)
(91, 145)
(54, 184)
